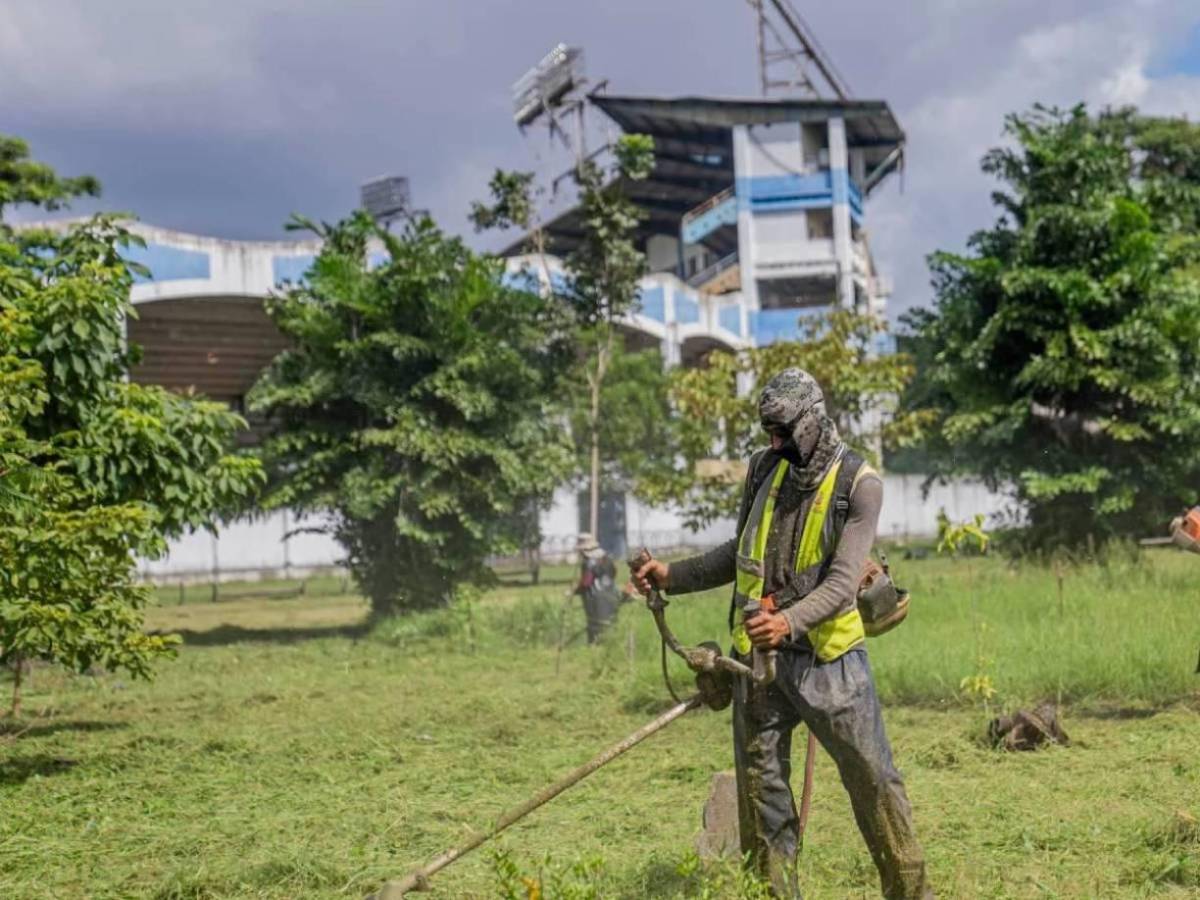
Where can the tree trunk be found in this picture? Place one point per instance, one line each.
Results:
(594, 518)
(597, 383)
(18, 670)
(533, 543)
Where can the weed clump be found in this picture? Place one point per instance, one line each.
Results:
(530, 621)
(548, 880)
(418, 628)
(946, 752)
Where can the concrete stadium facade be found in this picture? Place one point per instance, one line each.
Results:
(202, 326)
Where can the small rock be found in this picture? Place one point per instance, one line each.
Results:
(719, 837)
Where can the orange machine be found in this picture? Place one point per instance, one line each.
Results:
(1185, 530)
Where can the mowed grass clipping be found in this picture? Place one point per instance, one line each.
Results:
(289, 753)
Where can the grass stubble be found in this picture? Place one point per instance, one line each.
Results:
(289, 753)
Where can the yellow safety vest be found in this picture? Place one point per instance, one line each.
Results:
(831, 638)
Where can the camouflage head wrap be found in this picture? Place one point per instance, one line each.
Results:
(794, 398)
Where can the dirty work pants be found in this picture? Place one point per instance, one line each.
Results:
(837, 701)
(600, 607)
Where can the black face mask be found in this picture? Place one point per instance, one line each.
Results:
(789, 451)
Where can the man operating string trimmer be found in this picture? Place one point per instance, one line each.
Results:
(803, 603)
(805, 528)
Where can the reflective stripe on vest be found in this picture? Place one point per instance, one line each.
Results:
(831, 638)
(752, 551)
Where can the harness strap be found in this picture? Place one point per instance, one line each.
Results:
(853, 466)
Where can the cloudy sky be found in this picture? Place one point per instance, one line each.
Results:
(224, 116)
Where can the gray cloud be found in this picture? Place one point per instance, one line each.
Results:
(224, 117)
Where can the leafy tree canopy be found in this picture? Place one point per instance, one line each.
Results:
(634, 430)
(615, 399)
(93, 469)
(413, 407)
(1062, 349)
(717, 427)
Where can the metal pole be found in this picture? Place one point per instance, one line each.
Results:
(287, 556)
(795, 25)
(762, 47)
(580, 136)
(216, 567)
(419, 880)
(810, 758)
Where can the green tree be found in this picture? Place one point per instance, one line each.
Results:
(413, 407)
(1062, 349)
(635, 435)
(717, 427)
(94, 470)
(604, 271)
(514, 205)
(615, 395)
(68, 590)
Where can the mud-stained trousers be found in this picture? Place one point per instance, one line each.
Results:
(600, 607)
(837, 701)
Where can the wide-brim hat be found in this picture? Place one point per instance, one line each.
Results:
(586, 541)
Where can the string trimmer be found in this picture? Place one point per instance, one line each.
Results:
(714, 689)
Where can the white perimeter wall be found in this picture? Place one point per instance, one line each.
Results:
(260, 547)
(906, 514)
(263, 547)
(662, 529)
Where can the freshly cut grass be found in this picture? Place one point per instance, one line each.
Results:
(289, 753)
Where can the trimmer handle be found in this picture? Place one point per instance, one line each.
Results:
(762, 662)
(639, 559)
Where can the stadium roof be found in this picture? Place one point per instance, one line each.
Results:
(869, 123)
(693, 149)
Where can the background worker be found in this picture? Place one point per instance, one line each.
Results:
(597, 586)
(805, 528)
(1185, 529)
(1185, 532)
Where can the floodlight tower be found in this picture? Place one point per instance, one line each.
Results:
(552, 90)
(386, 199)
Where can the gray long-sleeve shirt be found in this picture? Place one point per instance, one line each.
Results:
(836, 592)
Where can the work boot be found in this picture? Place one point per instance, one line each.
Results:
(907, 882)
(784, 878)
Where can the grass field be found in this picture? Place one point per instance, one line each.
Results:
(288, 752)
